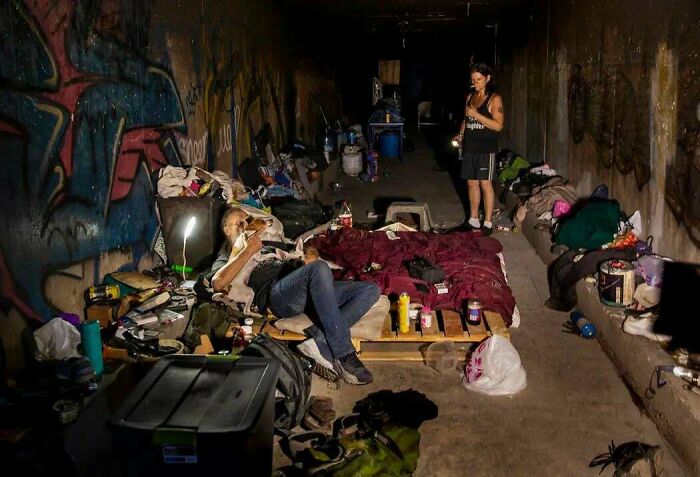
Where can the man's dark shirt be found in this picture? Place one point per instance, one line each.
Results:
(263, 276)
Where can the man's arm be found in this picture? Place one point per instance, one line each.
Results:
(225, 275)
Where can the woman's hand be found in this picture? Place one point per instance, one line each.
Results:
(471, 112)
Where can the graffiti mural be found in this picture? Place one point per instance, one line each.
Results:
(84, 120)
(607, 109)
(683, 174)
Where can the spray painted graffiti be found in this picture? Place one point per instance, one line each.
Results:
(193, 151)
(683, 174)
(83, 121)
(607, 109)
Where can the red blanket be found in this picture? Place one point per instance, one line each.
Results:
(472, 268)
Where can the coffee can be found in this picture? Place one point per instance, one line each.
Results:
(474, 310)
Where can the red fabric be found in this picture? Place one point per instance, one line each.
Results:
(472, 268)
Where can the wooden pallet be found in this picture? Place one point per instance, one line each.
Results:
(394, 345)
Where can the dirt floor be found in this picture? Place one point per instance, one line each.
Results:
(575, 403)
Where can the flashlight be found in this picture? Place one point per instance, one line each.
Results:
(455, 143)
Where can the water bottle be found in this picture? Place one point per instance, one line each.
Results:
(585, 327)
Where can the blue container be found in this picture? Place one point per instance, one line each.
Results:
(389, 144)
(585, 327)
(92, 344)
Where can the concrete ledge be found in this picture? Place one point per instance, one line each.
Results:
(674, 410)
(540, 240)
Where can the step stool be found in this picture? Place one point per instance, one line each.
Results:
(419, 208)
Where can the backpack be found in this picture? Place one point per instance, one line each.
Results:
(294, 381)
(298, 216)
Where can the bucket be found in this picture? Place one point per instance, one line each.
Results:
(352, 163)
(389, 144)
(616, 283)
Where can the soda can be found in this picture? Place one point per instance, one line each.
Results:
(474, 310)
(103, 292)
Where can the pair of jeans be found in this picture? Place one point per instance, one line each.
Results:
(337, 305)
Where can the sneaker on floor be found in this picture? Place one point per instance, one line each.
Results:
(487, 230)
(351, 369)
(322, 365)
(643, 326)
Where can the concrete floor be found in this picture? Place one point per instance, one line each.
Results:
(575, 402)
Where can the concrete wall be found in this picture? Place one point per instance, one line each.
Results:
(612, 95)
(95, 95)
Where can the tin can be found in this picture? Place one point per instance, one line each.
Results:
(345, 220)
(104, 292)
(474, 310)
(404, 320)
(388, 117)
(426, 317)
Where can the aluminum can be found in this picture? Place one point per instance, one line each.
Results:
(474, 311)
(426, 317)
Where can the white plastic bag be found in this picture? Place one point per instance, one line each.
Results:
(57, 339)
(495, 368)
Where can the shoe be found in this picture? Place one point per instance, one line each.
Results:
(487, 230)
(76, 370)
(322, 365)
(643, 326)
(465, 227)
(351, 369)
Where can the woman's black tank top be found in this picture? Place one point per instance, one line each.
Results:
(477, 137)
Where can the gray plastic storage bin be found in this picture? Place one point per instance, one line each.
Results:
(199, 415)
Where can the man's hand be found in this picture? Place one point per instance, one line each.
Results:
(254, 243)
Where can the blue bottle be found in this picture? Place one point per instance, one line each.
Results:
(585, 327)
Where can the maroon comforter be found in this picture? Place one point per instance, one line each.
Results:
(472, 268)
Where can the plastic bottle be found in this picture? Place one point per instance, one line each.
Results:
(691, 376)
(404, 320)
(92, 344)
(585, 327)
(345, 214)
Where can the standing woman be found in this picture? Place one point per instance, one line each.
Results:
(478, 134)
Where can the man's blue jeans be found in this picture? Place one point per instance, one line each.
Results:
(337, 304)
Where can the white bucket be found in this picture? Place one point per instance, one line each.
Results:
(352, 163)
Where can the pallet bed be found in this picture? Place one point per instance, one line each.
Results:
(393, 345)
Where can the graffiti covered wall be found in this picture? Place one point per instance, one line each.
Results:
(96, 96)
(620, 80)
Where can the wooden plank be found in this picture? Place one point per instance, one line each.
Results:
(453, 324)
(477, 332)
(391, 356)
(434, 330)
(496, 324)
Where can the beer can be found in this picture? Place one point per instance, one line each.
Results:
(103, 292)
(474, 310)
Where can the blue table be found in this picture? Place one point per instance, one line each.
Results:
(375, 129)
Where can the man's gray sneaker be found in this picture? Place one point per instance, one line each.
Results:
(322, 366)
(351, 369)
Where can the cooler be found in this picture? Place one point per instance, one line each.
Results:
(199, 415)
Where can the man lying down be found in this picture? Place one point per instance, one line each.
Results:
(288, 284)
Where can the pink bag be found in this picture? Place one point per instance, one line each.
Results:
(561, 208)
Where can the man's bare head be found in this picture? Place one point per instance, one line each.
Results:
(233, 222)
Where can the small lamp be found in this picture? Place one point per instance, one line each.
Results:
(188, 231)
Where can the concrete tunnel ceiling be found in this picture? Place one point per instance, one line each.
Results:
(410, 16)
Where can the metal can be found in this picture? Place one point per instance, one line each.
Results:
(474, 310)
(426, 317)
(104, 292)
(388, 117)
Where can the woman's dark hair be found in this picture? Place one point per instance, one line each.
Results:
(485, 70)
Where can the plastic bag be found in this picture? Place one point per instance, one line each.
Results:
(57, 339)
(495, 368)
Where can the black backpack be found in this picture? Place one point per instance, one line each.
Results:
(298, 216)
(294, 381)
